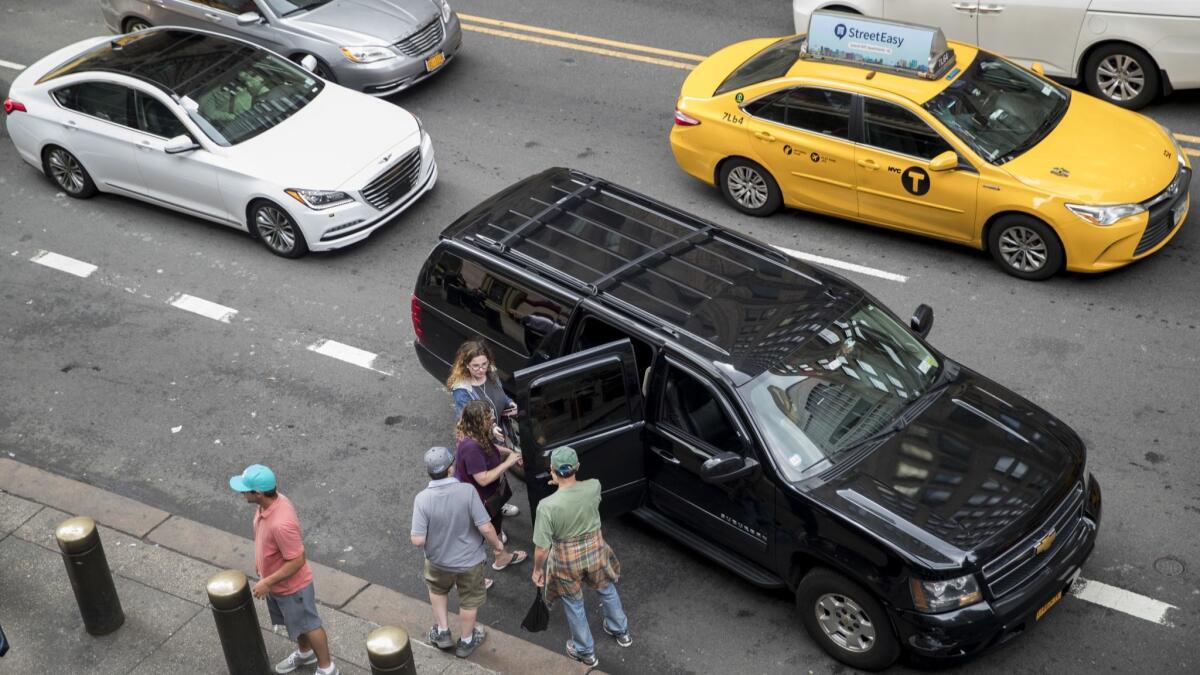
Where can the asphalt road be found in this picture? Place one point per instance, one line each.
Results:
(105, 381)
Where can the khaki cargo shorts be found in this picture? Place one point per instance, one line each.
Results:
(471, 591)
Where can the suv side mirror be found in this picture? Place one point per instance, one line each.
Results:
(727, 466)
(179, 144)
(944, 162)
(1037, 68)
(922, 320)
(247, 18)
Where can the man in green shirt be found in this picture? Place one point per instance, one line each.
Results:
(570, 551)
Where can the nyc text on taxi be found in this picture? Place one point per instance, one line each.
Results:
(889, 124)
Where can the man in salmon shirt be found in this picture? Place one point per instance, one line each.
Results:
(285, 577)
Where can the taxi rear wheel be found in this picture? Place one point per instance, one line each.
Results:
(749, 188)
(1025, 248)
(846, 620)
(1122, 75)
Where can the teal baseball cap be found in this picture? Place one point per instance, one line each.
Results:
(564, 460)
(256, 478)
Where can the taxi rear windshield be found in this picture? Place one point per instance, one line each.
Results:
(770, 63)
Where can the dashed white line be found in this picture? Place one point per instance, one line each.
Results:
(10, 64)
(1122, 600)
(64, 264)
(203, 307)
(344, 352)
(841, 264)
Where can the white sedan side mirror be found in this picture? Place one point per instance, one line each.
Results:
(247, 18)
(309, 63)
(179, 144)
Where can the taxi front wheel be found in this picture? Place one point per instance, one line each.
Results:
(1025, 248)
(749, 187)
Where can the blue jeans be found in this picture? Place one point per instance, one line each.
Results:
(614, 618)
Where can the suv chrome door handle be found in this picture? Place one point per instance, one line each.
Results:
(765, 136)
(665, 454)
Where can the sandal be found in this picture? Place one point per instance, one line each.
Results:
(517, 558)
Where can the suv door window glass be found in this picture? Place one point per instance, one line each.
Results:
(893, 128)
(689, 407)
(567, 407)
(102, 100)
(820, 110)
(155, 118)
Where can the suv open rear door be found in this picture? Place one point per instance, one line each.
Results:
(592, 401)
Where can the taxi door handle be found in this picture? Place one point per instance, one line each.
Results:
(869, 164)
(765, 136)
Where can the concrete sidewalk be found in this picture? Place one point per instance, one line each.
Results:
(160, 563)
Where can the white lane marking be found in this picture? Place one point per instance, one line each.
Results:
(10, 64)
(344, 352)
(203, 307)
(1122, 600)
(64, 264)
(840, 264)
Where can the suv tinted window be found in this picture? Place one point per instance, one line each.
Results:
(155, 118)
(820, 110)
(109, 102)
(570, 406)
(690, 408)
(891, 127)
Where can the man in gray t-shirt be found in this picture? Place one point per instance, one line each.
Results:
(451, 524)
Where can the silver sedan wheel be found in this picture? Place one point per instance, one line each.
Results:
(136, 25)
(66, 170)
(845, 623)
(747, 187)
(1120, 77)
(1023, 249)
(275, 229)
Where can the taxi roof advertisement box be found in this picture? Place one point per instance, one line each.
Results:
(905, 48)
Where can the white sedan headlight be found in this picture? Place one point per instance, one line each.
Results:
(368, 53)
(445, 6)
(319, 199)
(1105, 215)
(939, 596)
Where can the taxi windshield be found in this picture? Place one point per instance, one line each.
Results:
(840, 387)
(770, 63)
(999, 109)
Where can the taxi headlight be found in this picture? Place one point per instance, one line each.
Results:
(931, 597)
(445, 7)
(1105, 215)
(368, 53)
(319, 199)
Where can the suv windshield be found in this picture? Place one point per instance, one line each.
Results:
(770, 63)
(998, 108)
(236, 101)
(841, 386)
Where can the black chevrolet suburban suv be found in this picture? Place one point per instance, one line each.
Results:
(769, 414)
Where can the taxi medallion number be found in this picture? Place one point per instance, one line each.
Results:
(1046, 607)
(434, 61)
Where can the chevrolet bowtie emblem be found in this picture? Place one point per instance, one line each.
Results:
(385, 159)
(1045, 542)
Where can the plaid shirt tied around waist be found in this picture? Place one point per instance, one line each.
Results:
(585, 559)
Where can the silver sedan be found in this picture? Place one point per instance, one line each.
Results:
(378, 47)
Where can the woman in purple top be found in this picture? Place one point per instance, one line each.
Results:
(479, 461)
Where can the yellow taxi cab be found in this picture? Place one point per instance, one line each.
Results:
(889, 124)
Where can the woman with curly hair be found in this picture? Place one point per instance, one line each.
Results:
(478, 462)
(473, 378)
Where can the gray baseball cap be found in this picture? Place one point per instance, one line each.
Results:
(438, 459)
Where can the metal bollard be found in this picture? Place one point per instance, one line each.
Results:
(389, 651)
(92, 581)
(237, 623)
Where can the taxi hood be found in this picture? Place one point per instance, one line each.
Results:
(1102, 165)
(712, 71)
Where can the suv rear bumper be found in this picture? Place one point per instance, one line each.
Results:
(988, 624)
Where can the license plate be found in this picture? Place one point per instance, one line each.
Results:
(1046, 607)
(434, 61)
(1177, 212)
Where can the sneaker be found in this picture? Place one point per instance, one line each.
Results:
(590, 660)
(623, 640)
(333, 670)
(294, 661)
(440, 638)
(465, 648)
(510, 510)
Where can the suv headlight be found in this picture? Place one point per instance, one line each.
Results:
(931, 597)
(319, 199)
(445, 7)
(368, 53)
(1105, 215)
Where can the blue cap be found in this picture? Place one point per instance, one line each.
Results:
(256, 478)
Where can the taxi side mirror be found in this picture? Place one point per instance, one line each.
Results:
(944, 162)
(1037, 68)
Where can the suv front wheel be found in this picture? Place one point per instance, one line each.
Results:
(846, 620)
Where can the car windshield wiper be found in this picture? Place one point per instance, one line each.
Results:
(304, 8)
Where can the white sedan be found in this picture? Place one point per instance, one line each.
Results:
(221, 129)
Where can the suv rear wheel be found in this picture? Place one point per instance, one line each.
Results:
(846, 620)
(749, 188)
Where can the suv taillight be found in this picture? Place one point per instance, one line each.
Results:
(416, 319)
(684, 120)
(11, 106)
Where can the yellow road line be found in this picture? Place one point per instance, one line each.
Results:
(1191, 151)
(1185, 137)
(578, 47)
(580, 38)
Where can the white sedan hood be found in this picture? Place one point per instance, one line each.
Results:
(328, 143)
